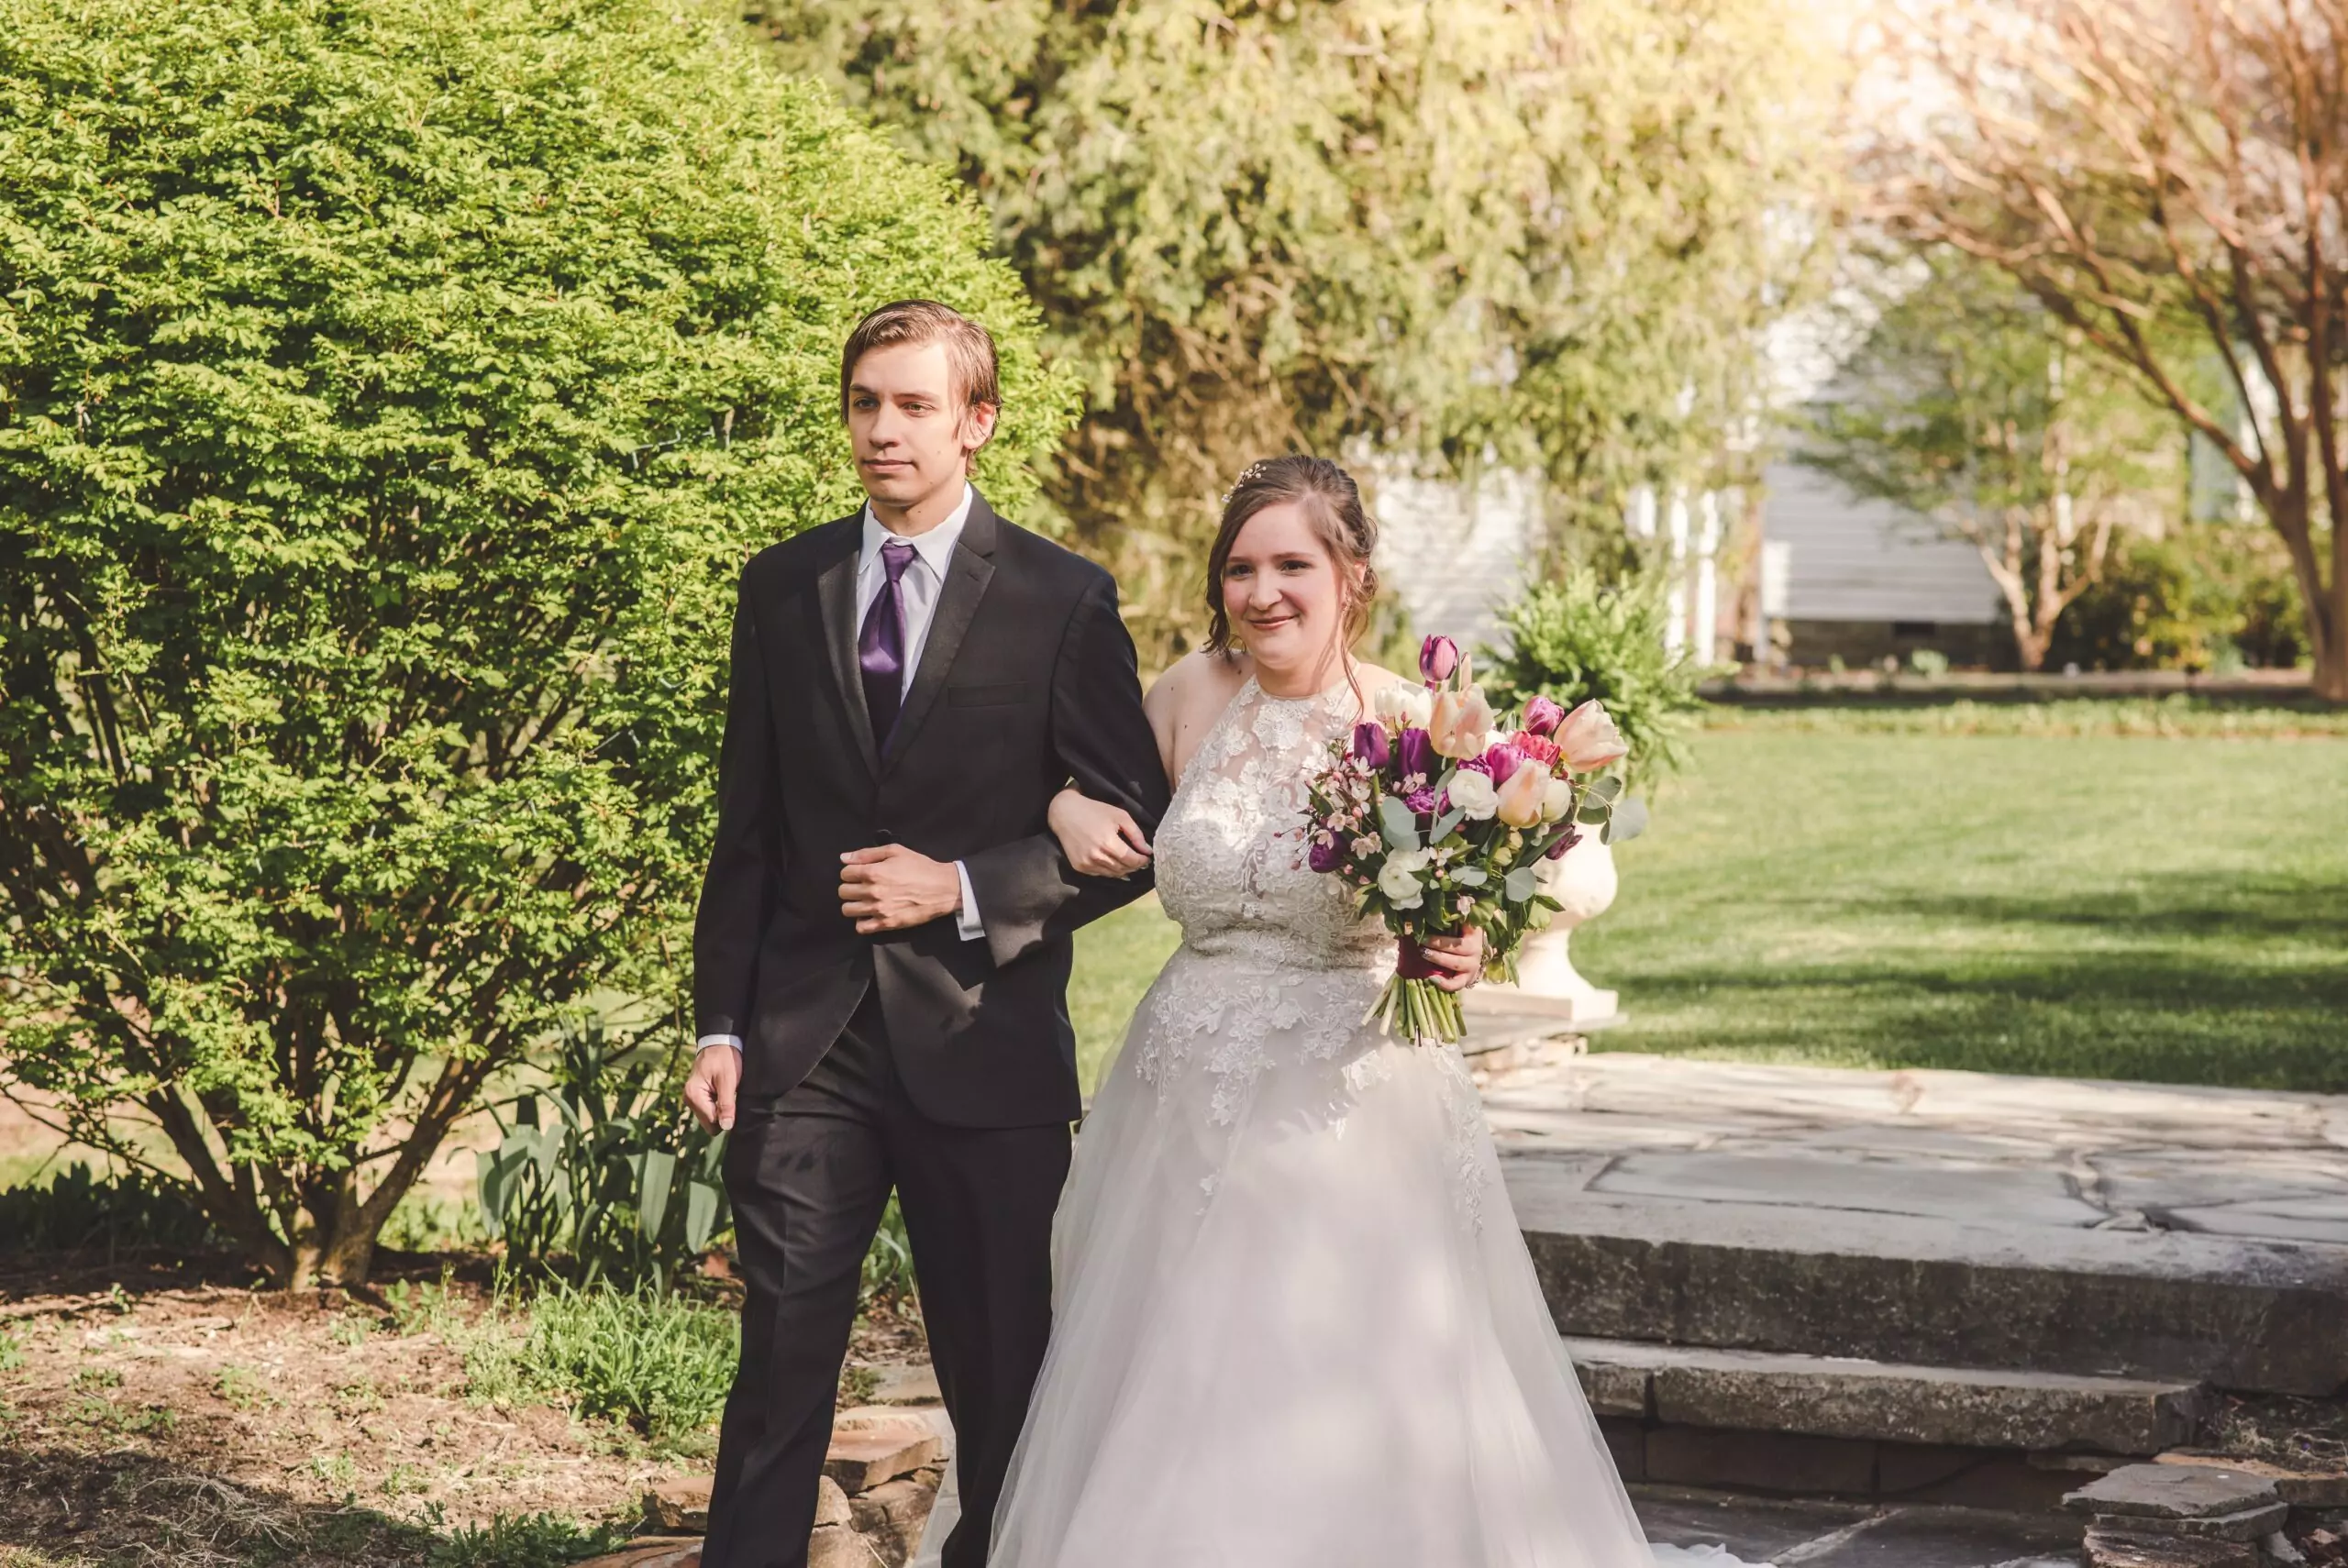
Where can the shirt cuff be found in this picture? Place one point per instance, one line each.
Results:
(966, 924)
(707, 1041)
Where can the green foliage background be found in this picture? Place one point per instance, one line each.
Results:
(1486, 229)
(389, 395)
(1579, 637)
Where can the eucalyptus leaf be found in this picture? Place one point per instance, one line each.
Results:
(1396, 825)
(1520, 885)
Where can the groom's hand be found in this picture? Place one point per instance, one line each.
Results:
(892, 887)
(710, 1085)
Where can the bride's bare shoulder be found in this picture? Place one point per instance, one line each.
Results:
(1184, 703)
(1196, 680)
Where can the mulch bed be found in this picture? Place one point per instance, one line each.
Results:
(159, 1410)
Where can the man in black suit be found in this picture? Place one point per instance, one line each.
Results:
(881, 950)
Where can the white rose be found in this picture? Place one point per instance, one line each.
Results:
(1399, 877)
(1557, 800)
(1473, 793)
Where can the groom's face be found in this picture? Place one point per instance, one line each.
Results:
(911, 434)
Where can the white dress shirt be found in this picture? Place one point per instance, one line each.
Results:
(917, 592)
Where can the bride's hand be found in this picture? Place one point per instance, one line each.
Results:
(1099, 839)
(1461, 955)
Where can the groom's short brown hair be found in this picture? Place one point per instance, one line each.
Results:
(969, 348)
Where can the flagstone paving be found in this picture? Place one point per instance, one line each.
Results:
(2011, 1150)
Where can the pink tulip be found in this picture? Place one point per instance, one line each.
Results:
(1522, 796)
(1588, 739)
(1438, 657)
(1541, 715)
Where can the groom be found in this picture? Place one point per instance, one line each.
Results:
(881, 950)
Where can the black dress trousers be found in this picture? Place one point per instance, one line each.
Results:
(809, 1172)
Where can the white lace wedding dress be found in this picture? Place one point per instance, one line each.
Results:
(1295, 1324)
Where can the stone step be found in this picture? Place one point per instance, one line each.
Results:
(1845, 1398)
(1966, 1287)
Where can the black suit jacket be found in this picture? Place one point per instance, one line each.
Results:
(1026, 681)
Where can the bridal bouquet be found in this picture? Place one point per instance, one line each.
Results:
(1440, 812)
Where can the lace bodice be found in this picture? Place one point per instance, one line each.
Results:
(1230, 852)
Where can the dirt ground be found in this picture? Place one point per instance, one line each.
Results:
(165, 1412)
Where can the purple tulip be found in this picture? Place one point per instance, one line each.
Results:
(1438, 657)
(1558, 850)
(1370, 745)
(1414, 754)
(1426, 803)
(1326, 854)
(1542, 716)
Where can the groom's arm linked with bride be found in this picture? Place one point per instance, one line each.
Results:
(881, 950)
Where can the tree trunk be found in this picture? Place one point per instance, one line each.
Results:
(2331, 675)
(2031, 644)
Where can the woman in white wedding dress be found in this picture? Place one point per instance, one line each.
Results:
(1295, 1325)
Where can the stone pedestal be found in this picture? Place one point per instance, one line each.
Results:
(1547, 984)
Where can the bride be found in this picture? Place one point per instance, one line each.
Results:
(1295, 1325)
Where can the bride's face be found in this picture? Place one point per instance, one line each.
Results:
(1282, 591)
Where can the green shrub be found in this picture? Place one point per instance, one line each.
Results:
(390, 394)
(2209, 597)
(1580, 635)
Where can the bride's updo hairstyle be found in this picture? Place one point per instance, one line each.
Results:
(1332, 502)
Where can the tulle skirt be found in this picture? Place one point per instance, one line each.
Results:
(1296, 1325)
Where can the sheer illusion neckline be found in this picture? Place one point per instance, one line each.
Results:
(1254, 687)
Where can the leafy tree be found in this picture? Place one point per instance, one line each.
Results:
(1970, 405)
(2168, 178)
(389, 394)
(1548, 234)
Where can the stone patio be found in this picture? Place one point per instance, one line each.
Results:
(2044, 1153)
(2123, 1231)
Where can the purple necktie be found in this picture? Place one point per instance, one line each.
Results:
(880, 646)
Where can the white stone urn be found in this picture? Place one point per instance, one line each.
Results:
(1583, 880)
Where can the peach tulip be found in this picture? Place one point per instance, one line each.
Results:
(1522, 796)
(1588, 739)
(1460, 722)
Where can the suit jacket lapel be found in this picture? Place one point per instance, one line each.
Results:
(836, 594)
(957, 601)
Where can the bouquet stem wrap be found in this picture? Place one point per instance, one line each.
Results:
(1424, 1011)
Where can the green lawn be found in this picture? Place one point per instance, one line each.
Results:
(2173, 909)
